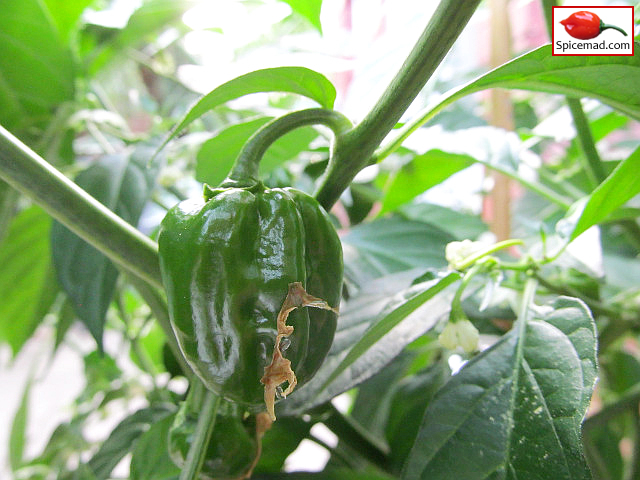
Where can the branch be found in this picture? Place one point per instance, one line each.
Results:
(354, 150)
(30, 174)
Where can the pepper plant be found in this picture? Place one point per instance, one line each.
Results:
(316, 281)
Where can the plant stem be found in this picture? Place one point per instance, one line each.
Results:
(204, 429)
(591, 160)
(245, 169)
(30, 174)
(354, 150)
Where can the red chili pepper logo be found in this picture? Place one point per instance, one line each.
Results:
(585, 25)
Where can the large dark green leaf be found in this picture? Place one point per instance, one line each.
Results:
(420, 174)
(28, 289)
(123, 439)
(298, 80)
(515, 410)
(122, 184)
(36, 67)
(377, 312)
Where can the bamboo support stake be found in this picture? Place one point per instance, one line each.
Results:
(497, 205)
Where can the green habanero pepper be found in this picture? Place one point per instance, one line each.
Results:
(229, 261)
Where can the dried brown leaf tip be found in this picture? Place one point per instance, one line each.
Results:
(279, 370)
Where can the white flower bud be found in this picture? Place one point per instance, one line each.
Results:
(461, 333)
(457, 253)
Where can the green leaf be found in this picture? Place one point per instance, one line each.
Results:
(298, 80)
(17, 439)
(66, 14)
(396, 312)
(611, 79)
(123, 438)
(309, 9)
(279, 442)
(86, 275)
(392, 244)
(36, 68)
(515, 410)
(618, 188)
(420, 174)
(408, 405)
(459, 225)
(573, 318)
(25, 277)
(150, 460)
(419, 308)
(218, 154)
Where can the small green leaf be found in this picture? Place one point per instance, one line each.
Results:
(26, 283)
(17, 439)
(515, 410)
(66, 14)
(309, 9)
(123, 438)
(87, 276)
(217, 155)
(298, 80)
(395, 313)
(150, 459)
(420, 174)
(36, 68)
(419, 307)
(618, 188)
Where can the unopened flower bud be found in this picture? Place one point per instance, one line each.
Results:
(461, 333)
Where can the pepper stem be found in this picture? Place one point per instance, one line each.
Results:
(245, 169)
(202, 435)
(604, 26)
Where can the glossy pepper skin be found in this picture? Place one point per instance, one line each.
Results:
(585, 25)
(226, 263)
(233, 447)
